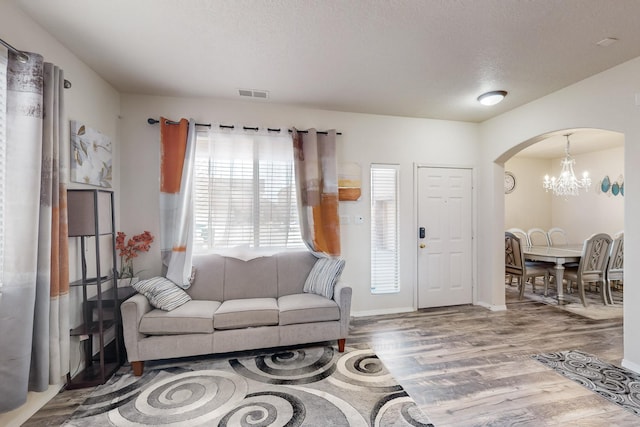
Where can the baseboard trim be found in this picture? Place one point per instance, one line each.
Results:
(631, 366)
(491, 306)
(382, 311)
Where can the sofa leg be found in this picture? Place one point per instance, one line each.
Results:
(137, 367)
(341, 343)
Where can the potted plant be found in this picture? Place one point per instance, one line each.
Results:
(129, 249)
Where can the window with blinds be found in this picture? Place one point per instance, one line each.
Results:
(245, 192)
(385, 262)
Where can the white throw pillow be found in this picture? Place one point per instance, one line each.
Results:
(162, 293)
(323, 276)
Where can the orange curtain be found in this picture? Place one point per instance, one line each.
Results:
(176, 198)
(317, 184)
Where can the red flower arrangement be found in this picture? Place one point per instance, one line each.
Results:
(129, 251)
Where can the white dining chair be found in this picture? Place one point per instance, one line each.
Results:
(538, 237)
(615, 267)
(521, 234)
(516, 266)
(557, 237)
(592, 267)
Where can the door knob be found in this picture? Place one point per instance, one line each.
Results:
(422, 246)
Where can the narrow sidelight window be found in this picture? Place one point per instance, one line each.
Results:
(385, 275)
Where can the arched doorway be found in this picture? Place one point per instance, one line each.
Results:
(599, 210)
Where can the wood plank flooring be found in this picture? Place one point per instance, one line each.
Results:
(467, 366)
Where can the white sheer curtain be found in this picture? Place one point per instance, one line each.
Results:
(245, 190)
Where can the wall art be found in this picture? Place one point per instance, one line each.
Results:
(609, 188)
(90, 156)
(349, 182)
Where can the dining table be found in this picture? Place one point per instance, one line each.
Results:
(560, 255)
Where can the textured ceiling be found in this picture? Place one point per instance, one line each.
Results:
(581, 141)
(416, 58)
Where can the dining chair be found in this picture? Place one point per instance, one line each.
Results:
(592, 267)
(538, 237)
(557, 237)
(615, 267)
(524, 239)
(521, 234)
(516, 266)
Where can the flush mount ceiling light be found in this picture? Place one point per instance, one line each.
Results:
(607, 41)
(492, 98)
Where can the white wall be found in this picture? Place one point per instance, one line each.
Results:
(91, 100)
(366, 139)
(604, 101)
(580, 216)
(593, 211)
(529, 205)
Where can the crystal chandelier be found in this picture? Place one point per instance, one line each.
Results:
(567, 184)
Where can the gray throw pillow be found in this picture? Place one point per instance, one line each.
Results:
(162, 293)
(323, 276)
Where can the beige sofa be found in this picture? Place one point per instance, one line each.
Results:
(237, 305)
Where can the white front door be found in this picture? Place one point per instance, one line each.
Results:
(444, 236)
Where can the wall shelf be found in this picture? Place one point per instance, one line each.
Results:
(91, 219)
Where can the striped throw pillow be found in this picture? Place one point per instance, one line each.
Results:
(323, 276)
(162, 293)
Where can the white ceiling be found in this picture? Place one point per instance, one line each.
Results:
(415, 58)
(580, 141)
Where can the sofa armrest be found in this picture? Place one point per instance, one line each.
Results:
(342, 296)
(132, 311)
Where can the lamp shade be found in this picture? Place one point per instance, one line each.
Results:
(86, 208)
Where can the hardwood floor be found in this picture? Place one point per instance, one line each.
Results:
(467, 366)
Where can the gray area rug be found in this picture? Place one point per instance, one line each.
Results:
(618, 385)
(312, 386)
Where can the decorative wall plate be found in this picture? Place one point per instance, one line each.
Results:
(615, 189)
(605, 184)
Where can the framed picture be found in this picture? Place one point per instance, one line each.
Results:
(90, 156)
(349, 182)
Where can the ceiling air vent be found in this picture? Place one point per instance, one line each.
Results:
(262, 94)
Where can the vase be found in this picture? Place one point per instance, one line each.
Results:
(126, 270)
(123, 283)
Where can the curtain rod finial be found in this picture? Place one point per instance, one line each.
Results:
(152, 121)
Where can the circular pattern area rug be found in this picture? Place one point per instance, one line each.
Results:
(312, 386)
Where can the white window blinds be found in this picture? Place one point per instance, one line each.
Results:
(245, 191)
(385, 275)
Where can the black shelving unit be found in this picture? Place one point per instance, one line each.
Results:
(91, 219)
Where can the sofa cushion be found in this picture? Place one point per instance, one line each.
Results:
(323, 276)
(208, 283)
(192, 317)
(293, 269)
(162, 293)
(307, 308)
(246, 313)
(256, 278)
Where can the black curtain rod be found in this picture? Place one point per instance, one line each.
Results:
(154, 121)
(23, 57)
(169, 122)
